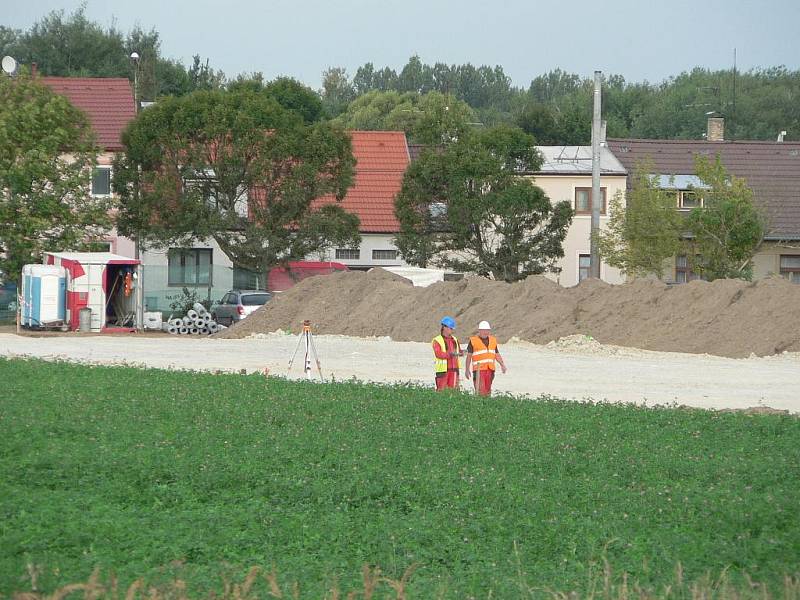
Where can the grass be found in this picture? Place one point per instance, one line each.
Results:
(175, 476)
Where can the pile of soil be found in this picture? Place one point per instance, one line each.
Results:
(726, 317)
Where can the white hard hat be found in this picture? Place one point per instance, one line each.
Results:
(484, 325)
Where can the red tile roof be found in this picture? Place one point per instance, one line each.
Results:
(381, 161)
(108, 102)
(771, 169)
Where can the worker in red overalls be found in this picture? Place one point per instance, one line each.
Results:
(482, 353)
(446, 353)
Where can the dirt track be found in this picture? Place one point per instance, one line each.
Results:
(575, 368)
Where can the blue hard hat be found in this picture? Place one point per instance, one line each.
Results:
(449, 322)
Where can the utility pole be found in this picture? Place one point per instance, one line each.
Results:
(594, 265)
(139, 319)
(135, 62)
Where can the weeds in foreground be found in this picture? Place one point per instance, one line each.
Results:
(259, 583)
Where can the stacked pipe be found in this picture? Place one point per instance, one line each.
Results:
(197, 321)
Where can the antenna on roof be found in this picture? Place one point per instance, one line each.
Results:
(10, 65)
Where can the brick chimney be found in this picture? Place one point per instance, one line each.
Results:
(715, 131)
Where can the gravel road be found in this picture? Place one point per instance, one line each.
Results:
(573, 370)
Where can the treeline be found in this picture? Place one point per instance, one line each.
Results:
(555, 107)
(73, 46)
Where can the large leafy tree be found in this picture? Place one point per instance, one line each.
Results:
(46, 157)
(431, 118)
(289, 93)
(464, 206)
(728, 229)
(237, 167)
(645, 230)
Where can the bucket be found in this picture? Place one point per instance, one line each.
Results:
(85, 319)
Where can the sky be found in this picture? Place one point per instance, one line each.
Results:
(640, 39)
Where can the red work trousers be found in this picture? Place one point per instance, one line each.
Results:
(483, 382)
(447, 380)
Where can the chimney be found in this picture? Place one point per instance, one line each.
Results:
(715, 131)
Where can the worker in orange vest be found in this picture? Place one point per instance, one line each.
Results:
(482, 353)
(446, 353)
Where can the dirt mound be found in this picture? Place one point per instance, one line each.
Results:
(726, 317)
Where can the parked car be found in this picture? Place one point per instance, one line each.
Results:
(237, 304)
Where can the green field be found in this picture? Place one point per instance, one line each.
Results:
(175, 475)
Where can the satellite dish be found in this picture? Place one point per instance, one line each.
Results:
(10, 65)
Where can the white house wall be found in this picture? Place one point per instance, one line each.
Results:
(577, 242)
(369, 242)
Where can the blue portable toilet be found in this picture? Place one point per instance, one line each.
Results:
(44, 295)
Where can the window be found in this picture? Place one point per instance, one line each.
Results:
(688, 200)
(255, 299)
(245, 279)
(583, 201)
(683, 269)
(790, 268)
(348, 254)
(101, 181)
(189, 266)
(437, 210)
(384, 255)
(584, 264)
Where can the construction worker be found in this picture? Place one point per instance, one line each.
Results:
(482, 353)
(446, 353)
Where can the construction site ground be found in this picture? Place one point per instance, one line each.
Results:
(574, 367)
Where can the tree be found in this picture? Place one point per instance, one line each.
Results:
(337, 90)
(645, 231)
(428, 119)
(463, 206)
(539, 121)
(237, 167)
(45, 200)
(719, 238)
(288, 92)
(293, 95)
(728, 229)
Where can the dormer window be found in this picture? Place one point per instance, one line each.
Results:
(689, 199)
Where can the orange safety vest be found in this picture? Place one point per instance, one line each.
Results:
(483, 356)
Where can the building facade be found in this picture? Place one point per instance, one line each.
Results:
(771, 170)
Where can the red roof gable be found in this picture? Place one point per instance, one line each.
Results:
(381, 161)
(108, 102)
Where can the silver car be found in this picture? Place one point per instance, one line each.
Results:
(237, 304)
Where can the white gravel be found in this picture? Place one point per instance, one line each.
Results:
(573, 368)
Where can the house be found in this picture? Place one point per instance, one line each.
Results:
(381, 160)
(566, 174)
(109, 105)
(771, 169)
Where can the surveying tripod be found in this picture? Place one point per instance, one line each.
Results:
(307, 340)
